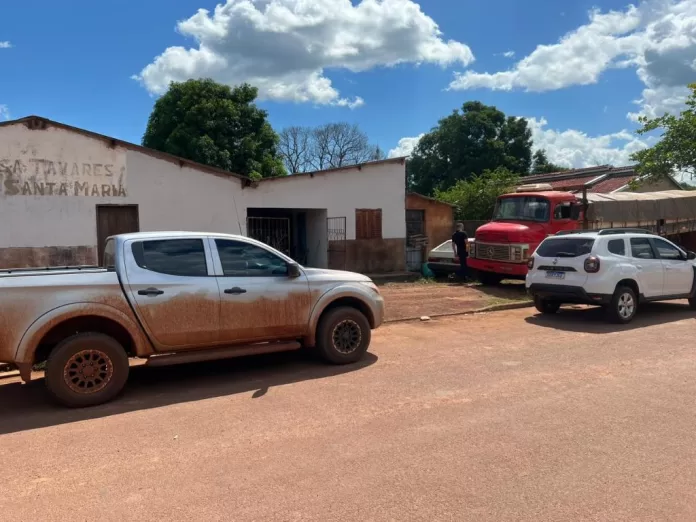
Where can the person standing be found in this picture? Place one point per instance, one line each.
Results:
(460, 249)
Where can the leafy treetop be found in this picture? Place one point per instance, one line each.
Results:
(211, 123)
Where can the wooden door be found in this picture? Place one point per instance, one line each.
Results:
(115, 219)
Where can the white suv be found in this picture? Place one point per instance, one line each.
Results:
(613, 268)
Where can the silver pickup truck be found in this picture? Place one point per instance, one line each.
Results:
(176, 297)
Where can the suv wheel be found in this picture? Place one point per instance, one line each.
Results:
(623, 306)
(86, 369)
(343, 335)
(546, 307)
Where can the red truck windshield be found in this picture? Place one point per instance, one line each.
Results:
(522, 208)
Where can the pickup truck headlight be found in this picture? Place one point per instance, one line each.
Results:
(371, 286)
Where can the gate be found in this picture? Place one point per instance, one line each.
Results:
(274, 232)
(336, 242)
(416, 240)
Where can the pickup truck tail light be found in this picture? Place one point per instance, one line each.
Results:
(592, 265)
(530, 263)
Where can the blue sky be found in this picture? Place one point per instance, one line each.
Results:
(77, 64)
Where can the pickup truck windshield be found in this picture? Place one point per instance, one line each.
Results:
(522, 208)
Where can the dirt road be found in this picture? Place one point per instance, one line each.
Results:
(505, 416)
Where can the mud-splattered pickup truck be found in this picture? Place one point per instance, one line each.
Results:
(176, 297)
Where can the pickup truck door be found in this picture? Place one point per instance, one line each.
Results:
(258, 300)
(679, 273)
(650, 272)
(171, 284)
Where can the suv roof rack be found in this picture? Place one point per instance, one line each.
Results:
(606, 231)
(610, 231)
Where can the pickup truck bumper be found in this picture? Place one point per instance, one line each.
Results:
(378, 311)
(512, 270)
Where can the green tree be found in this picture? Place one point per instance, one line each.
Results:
(475, 198)
(214, 124)
(466, 144)
(676, 151)
(542, 165)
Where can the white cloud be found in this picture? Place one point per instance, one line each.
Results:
(658, 39)
(5, 45)
(509, 54)
(576, 149)
(284, 46)
(4, 113)
(405, 147)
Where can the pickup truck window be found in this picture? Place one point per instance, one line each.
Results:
(109, 260)
(239, 259)
(180, 257)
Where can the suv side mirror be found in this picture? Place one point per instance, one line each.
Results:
(575, 211)
(690, 255)
(294, 270)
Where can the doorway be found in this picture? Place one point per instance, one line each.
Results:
(115, 219)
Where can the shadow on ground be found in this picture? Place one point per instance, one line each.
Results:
(511, 290)
(593, 319)
(25, 407)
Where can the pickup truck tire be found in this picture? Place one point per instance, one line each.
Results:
(623, 306)
(86, 369)
(343, 336)
(545, 306)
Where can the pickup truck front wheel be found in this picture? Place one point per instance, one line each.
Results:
(343, 335)
(86, 369)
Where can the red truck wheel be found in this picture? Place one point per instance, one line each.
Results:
(86, 369)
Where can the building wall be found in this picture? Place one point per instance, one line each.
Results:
(657, 187)
(51, 181)
(76, 173)
(439, 218)
(341, 192)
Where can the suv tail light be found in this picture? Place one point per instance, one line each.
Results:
(592, 265)
(530, 263)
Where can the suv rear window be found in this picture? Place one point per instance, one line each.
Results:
(565, 247)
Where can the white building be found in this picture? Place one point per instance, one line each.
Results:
(63, 190)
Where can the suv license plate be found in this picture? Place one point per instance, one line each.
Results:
(555, 275)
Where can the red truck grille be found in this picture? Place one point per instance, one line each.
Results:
(492, 252)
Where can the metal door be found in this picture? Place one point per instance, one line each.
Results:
(336, 242)
(275, 232)
(416, 240)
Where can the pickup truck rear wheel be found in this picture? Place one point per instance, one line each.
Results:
(343, 335)
(86, 369)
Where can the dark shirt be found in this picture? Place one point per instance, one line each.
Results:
(459, 239)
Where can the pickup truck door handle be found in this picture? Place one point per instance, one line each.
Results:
(151, 291)
(236, 290)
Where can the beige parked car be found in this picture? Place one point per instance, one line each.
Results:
(176, 297)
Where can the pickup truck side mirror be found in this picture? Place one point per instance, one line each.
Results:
(690, 255)
(575, 210)
(294, 270)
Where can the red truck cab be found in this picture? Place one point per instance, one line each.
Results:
(521, 221)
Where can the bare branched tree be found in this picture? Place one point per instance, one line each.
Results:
(295, 147)
(328, 146)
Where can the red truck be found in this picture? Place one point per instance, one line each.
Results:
(523, 219)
